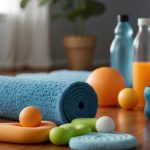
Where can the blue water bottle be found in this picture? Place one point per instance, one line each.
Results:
(121, 50)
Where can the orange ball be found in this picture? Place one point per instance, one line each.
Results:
(128, 98)
(30, 117)
(107, 83)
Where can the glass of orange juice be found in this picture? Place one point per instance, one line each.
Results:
(141, 64)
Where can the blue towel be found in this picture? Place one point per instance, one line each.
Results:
(66, 75)
(59, 101)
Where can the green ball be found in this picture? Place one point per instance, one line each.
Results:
(60, 136)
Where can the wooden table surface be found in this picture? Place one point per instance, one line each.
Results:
(129, 121)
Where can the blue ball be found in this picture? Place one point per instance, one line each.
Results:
(147, 102)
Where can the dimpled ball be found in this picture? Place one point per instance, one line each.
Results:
(105, 124)
(128, 98)
(107, 83)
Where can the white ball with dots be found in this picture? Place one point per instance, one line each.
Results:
(105, 124)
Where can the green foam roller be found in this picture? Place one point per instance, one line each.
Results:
(91, 122)
(79, 129)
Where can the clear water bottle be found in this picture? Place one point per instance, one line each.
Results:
(141, 64)
(121, 50)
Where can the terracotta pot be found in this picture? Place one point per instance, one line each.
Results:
(79, 51)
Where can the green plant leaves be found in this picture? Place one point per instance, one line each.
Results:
(76, 11)
(94, 8)
(84, 8)
(23, 3)
(44, 2)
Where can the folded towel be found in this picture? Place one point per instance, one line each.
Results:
(59, 101)
(66, 75)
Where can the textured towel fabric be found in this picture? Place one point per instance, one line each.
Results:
(59, 101)
(66, 75)
(103, 141)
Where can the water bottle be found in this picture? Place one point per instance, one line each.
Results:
(121, 50)
(141, 64)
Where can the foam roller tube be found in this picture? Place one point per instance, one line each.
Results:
(59, 101)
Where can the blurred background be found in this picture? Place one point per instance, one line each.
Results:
(31, 40)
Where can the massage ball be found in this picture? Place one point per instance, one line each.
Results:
(147, 102)
(30, 117)
(105, 124)
(107, 83)
(128, 98)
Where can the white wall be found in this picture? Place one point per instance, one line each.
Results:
(102, 27)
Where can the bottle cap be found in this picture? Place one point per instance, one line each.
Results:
(143, 21)
(123, 18)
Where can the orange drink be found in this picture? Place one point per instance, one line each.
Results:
(141, 78)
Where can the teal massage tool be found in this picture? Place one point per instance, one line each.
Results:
(103, 141)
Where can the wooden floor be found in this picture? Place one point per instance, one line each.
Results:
(133, 122)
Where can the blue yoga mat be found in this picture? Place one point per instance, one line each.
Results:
(65, 75)
(59, 101)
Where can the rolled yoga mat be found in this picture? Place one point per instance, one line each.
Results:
(66, 75)
(59, 101)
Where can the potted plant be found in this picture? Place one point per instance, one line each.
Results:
(79, 45)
